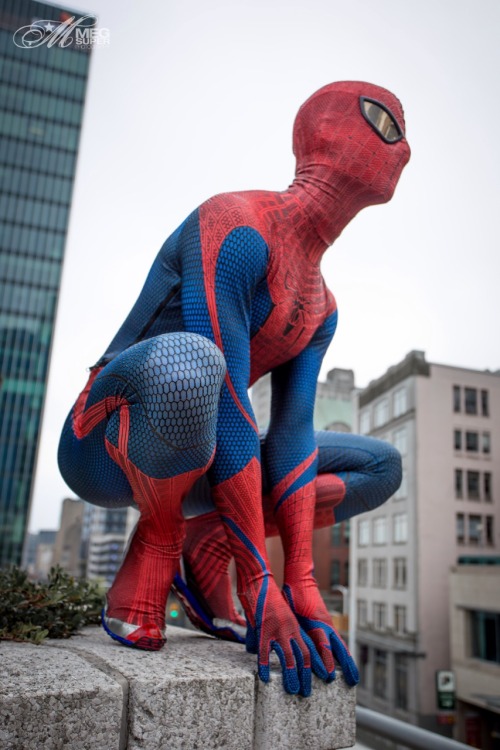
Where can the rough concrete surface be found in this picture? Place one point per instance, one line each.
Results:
(325, 721)
(194, 693)
(197, 692)
(55, 699)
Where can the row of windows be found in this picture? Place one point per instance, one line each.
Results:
(471, 401)
(341, 533)
(336, 573)
(41, 214)
(21, 73)
(22, 354)
(33, 243)
(379, 616)
(26, 300)
(478, 485)
(29, 184)
(21, 443)
(59, 58)
(40, 131)
(475, 529)
(22, 271)
(374, 675)
(382, 411)
(380, 568)
(380, 530)
(27, 365)
(26, 102)
(472, 441)
(36, 157)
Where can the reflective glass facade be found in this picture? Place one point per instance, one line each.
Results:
(42, 91)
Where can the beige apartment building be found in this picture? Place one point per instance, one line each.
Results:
(68, 551)
(475, 652)
(445, 421)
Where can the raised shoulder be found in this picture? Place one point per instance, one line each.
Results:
(222, 213)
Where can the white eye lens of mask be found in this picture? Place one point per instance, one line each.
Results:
(381, 119)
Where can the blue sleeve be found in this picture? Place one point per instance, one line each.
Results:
(218, 306)
(290, 440)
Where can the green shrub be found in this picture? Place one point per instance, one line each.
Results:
(33, 610)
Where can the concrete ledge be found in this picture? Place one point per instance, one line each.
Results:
(89, 692)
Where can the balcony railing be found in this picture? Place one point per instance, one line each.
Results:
(404, 734)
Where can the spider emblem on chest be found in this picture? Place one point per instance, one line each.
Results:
(299, 309)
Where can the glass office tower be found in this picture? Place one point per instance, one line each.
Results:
(42, 91)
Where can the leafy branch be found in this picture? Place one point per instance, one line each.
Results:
(33, 610)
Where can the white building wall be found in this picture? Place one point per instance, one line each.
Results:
(430, 501)
(438, 548)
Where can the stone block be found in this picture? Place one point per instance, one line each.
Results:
(53, 698)
(89, 691)
(195, 693)
(324, 721)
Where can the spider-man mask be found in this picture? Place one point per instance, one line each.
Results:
(350, 145)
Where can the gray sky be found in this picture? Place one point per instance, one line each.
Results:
(192, 99)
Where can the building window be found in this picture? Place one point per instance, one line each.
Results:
(460, 524)
(381, 412)
(457, 440)
(456, 398)
(485, 406)
(362, 613)
(362, 572)
(380, 673)
(487, 487)
(400, 619)
(473, 485)
(475, 529)
(470, 401)
(380, 530)
(380, 573)
(400, 572)
(335, 573)
(337, 535)
(400, 528)
(400, 402)
(400, 441)
(401, 681)
(363, 656)
(489, 533)
(347, 531)
(485, 631)
(346, 573)
(486, 442)
(363, 533)
(364, 422)
(472, 441)
(379, 615)
(459, 480)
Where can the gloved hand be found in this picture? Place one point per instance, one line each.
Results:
(308, 606)
(273, 627)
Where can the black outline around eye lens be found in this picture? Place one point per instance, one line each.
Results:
(362, 100)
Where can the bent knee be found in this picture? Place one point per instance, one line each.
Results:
(179, 387)
(389, 471)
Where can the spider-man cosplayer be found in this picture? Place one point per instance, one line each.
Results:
(236, 292)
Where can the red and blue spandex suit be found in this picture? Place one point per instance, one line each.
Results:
(234, 293)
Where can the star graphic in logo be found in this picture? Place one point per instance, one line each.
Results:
(49, 26)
